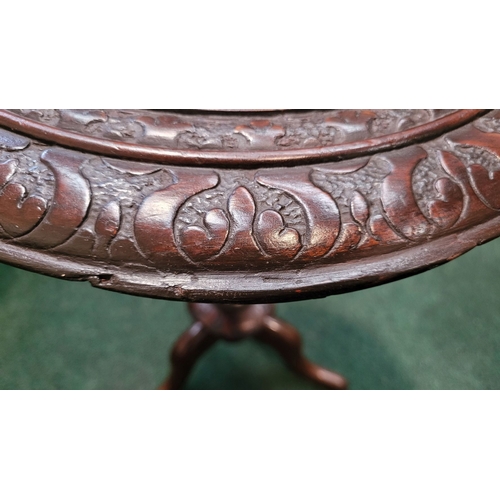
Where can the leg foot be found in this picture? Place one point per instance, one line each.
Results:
(286, 340)
(186, 351)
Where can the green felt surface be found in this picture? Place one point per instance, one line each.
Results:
(437, 330)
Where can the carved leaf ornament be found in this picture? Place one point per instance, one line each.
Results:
(245, 206)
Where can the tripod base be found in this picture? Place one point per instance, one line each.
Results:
(236, 322)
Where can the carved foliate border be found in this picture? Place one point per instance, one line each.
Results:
(223, 131)
(153, 225)
(235, 140)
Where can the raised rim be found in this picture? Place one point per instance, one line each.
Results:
(240, 159)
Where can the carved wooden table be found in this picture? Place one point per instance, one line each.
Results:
(224, 209)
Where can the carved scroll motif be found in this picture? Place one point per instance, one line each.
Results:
(203, 242)
(19, 212)
(398, 198)
(236, 226)
(230, 228)
(70, 201)
(45, 222)
(154, 223)
(485, 181)
(188, 218)
(321, 212)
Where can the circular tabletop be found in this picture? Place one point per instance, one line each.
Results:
(245, 206)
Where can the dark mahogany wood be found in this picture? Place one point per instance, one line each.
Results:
(235, 139)
(295, 221)
(242, 207)
(233, 322)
